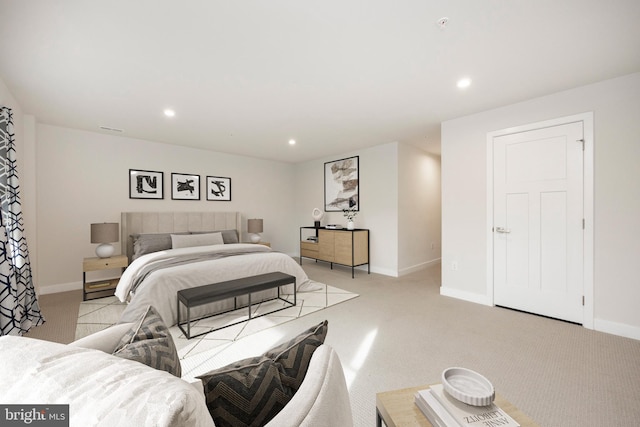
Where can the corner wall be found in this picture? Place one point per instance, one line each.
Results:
(616, 107)
(419, 209)
(400, 199)
(83, 176)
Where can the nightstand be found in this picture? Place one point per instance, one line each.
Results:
(105, 287)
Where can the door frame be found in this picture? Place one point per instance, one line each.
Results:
(588, 201)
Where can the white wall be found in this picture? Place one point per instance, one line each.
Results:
(418, 209)
(398, 183)
(83, 178)
(378, 201)
(616, 107)
(72, 178)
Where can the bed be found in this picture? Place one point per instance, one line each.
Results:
(170, 251)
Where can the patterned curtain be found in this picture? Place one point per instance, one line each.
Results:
(19, 309)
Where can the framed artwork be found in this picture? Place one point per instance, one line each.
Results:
(219, 188)
(341, 184)
(185, 186)
(146, 184)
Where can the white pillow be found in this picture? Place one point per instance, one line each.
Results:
(191, 240)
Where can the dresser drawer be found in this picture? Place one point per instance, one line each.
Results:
(309, 254)
(310, 247)
(91, 264)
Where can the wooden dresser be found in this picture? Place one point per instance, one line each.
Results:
(339, 246)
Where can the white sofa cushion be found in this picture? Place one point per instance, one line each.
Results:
(101, 389)
(323, 398)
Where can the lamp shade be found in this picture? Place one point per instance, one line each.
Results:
(105, 232)
(255, 226)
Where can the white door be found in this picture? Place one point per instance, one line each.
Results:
(538, 221)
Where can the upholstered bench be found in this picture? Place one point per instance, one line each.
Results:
(201, 295)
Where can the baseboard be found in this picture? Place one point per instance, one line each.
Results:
(383, 271)
(61, 287)
(466, 296)
(620, 329)
(419, 267)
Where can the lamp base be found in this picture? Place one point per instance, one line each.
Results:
(255, 238)
(105, 250)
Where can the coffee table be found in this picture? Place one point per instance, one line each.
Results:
(397, 409)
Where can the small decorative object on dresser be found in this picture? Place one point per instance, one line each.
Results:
(317, 215)
(104, 233)
(350, 214)
(255, 228)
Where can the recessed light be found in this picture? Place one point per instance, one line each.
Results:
(464, 83)
(292, 142)
(169, 113)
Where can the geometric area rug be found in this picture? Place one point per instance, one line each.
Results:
(95, 315)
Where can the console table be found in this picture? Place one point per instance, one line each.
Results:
(339, 246)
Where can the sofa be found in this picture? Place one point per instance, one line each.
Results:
(103, 389)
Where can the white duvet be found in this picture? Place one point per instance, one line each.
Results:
(160, 288)
(100, 389)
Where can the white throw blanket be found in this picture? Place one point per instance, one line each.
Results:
(160, 287)
(100, 389)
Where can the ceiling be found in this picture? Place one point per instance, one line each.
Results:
(245, 77)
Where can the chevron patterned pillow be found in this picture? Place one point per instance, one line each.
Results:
(252, 391)
(293, 356)
(150, 342)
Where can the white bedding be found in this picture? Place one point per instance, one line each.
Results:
(160, 288)
(100, 389)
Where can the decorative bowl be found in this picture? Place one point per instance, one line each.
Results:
(468, 386)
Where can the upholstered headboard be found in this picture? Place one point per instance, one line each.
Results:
(174, 222)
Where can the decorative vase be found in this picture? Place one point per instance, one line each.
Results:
(350, 225)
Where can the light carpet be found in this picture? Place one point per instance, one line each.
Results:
(99, 314)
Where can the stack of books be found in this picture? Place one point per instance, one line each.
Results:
(442, 410)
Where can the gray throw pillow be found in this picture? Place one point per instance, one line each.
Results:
(228, 236)
(150, 342)
(252, 391)
(147, 243)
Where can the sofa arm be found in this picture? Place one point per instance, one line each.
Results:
(323, 399)
(105, 340)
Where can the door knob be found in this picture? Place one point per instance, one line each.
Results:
(503, 230)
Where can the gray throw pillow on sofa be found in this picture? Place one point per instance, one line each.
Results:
(151, 343)
(252, 391)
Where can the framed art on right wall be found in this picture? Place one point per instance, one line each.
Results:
(341, 184)
(219, 188)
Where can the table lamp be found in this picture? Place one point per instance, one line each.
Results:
(104, 233)
(255, 227)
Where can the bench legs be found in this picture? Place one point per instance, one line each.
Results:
(187, 333)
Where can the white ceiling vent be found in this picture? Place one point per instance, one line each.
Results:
(110, 129)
